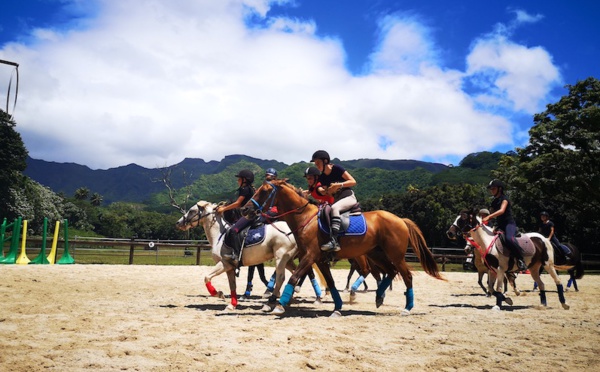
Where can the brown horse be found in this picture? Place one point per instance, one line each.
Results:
(385, 242)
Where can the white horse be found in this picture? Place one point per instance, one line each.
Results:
(539, 252)
(279, 243)
(481, 265)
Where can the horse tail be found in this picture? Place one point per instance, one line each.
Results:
(578, 269)
(417, 241)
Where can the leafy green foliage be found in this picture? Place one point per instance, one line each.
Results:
(13, 157)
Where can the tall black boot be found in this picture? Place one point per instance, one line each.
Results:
(333, 244)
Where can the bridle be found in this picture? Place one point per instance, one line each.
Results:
(195, 219)
(484, 253)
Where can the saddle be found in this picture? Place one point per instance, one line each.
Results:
(250, 236)
(525, 245)
(353, 222)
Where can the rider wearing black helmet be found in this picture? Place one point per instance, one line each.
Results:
(337, 182)
(547, 229)
(315, 189)
(245, 191)
(502, 211)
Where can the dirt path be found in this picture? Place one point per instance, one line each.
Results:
(160, 318)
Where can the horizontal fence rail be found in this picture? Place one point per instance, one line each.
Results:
(198, 252)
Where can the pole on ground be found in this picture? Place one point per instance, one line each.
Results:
(11, 256)
(66, 257)
(52, 255)
(23, 259)
(41, 258)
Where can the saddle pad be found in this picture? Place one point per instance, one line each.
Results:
(527, 247)
(255, 236)
(358, 226)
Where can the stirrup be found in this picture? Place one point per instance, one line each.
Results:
(330, 246)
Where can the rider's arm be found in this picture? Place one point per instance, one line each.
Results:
(234, 205)
(499, 212)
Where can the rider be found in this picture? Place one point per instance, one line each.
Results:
(270, 175)
(547, 229)
(338, 183)
(484, 212)
(245, 190)
(315, 189)
(505, 220)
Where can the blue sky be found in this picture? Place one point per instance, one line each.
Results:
(107, 83)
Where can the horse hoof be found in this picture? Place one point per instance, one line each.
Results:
(221, 295)
(266, 308)
(297, 289)
(335, 314)
(378, 301)
(566, 306)
(508, 300)
(496, 308)
(318, 301)
(517, 293)
(229, 308)
(405, 312)
(278, 310)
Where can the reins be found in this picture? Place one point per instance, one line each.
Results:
(483, 253)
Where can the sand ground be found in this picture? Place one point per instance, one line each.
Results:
(161, 318)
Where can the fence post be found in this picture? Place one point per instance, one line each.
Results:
(131, 249)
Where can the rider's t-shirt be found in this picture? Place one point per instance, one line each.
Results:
(336, 175)
(505, 218)
(546, 228)
(246, 192)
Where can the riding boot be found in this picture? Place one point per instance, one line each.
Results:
(333, 244)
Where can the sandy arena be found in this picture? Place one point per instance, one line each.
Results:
(161, 318)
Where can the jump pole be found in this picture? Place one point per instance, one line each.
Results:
(11, 256)
(52, 255)
(23, 259)
(41, 258)
(2, 231)
(66, 258)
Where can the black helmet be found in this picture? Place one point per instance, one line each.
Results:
(544, 213)
(312, 171)
(271, 172)
(321, 154)
(247, 175)
(495, 183)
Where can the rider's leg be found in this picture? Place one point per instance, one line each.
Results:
(336, 221)
(511, 239)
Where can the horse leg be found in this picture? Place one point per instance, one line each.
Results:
(536, 276)
(217, 270)
(480, 281)
(315, 285)
(513, 283)
(335, 295)
(288, 291)
(499, 293)
(232, 287)
(559, 286)
(407, 278)
(352, 269)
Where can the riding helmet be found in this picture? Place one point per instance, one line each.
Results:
(544, 213)
(495, 183)
(484, 211)
(271, 172)
(247, 175)
(312, 171)
(321, 154)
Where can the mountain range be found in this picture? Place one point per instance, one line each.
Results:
(134, 183)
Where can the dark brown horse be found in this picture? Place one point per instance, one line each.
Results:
(385, 243)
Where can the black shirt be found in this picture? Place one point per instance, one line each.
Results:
(505, 218)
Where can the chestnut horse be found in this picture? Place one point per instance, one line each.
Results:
(385, 243)
(539, 253)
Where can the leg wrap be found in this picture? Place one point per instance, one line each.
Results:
(410, 299)
(385, 283)
(337, 299)
(234, 302)
(499, 298)
(271, 284)
(543, 298)
(561, 294)
(315, 285)
(211, 289)
(286, 297)
(357, 283)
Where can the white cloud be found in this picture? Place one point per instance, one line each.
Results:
(151, 83)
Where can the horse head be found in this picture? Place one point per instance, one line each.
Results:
(195, 214)
(270, 194)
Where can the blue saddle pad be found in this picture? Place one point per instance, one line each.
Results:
(358, 226)
(255, 236)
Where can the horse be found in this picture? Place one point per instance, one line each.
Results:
(481, 265)
(278, 243)
(385, 242)
(538, 253)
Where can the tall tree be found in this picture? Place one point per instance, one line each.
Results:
(96, 199)
(13, 156)
(559, 170)
(82, 193)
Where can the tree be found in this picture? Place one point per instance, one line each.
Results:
(559, 171)
(13, 157)
(96, 199)
(82, 193)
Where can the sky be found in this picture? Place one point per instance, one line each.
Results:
(107, 83)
